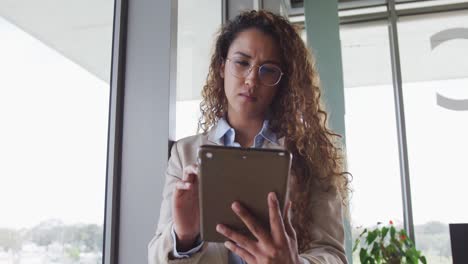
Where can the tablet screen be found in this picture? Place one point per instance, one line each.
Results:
(246, 175)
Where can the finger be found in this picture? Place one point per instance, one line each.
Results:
(182, 185)
(239, 239)
(287, 222)
(252, 224)
(278, 231)
(181, 189)
(190, 173)
(244, 254)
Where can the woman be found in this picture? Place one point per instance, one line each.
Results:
(262, 90)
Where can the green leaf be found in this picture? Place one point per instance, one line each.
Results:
(363, 255)
(372, 236)
(376, 251)
(423, 259)
(356, 244)
(392, 232)
(384, 231)
(410, 256)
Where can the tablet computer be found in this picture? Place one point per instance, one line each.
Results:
(247, 175)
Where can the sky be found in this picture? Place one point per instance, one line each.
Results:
(53, 136)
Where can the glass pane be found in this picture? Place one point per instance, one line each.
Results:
(54, 94)
(195, 39)
(371, 139)
(405, 4)
(435, 73)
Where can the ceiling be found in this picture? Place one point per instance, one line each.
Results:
(82, 30)
(79, 30)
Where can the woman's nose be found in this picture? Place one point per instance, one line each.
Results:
(252, 77)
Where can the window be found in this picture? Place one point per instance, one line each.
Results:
(434, 61)
(54, 95)
(371, 139)
(434, 65)
(195, 39)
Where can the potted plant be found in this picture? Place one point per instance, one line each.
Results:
(387, 245)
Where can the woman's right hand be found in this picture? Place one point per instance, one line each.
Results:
(186, 210)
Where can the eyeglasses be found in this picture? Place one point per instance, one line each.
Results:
(269, 74)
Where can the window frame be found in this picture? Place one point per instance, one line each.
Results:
(142, 100)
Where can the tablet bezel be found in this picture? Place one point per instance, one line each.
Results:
(219, 193)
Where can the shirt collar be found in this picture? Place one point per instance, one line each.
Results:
(266, 133)
(221, 129)
(225, 133)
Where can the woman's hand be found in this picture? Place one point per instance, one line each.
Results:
(277, 246)
(185, 209)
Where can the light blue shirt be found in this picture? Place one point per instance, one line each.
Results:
(226, 134)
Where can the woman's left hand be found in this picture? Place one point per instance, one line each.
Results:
(277, 246)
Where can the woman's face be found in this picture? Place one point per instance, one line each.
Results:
(249, 96)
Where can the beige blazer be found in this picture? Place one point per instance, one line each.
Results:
(327, 228)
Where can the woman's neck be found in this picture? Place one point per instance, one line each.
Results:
(246, 128)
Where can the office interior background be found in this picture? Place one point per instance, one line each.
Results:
(92, 92)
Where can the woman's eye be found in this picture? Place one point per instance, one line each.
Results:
(268, 69)
(242, 63)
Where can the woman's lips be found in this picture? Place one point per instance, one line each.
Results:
(248, 97)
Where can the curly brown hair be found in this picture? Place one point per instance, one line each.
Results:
(296, 113)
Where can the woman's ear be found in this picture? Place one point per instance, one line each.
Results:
(221, 69)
